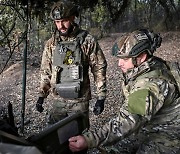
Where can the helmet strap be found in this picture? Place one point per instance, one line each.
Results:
(134, 61)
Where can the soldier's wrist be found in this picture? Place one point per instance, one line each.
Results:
(41, 94)
(101, 98)
(89, 140)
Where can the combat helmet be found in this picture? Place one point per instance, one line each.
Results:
(133, 44)
(63, 9)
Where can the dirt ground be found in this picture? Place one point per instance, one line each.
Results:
(11, 83)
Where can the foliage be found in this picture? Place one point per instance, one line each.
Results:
(18, 25)
(10, 18)
(116, 8)
(19, 18)
(155, 14)
(37, 6)
(99, 14)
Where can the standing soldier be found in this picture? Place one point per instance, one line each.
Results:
(152, 100)
(65, 66)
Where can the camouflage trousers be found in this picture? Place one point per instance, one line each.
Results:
(62, 108)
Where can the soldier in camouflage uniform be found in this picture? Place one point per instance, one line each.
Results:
(65, 66)
(152, 100)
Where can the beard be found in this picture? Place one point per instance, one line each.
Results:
(68, 31)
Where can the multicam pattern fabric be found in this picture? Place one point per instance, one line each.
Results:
(125, 45)
(92, 56)
(135, 43)
(156, 124)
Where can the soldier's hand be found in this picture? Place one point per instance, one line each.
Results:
(77, 143)
(39, 104)
(99, 107)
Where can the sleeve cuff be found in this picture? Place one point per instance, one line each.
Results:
(90, 139)
(101, 97)
(41, 94)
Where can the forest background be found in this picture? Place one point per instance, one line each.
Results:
(29, 20)
(25, 25)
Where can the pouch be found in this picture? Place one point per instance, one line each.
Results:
(68, 89)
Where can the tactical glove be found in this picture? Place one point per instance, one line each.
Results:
(39, 104)
(99, 107)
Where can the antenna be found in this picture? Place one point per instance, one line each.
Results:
(26, 47)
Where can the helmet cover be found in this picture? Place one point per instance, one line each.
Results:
(135, 43)
(63, 9)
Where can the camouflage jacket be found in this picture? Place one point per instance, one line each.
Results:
(93, 57)
(151, 99)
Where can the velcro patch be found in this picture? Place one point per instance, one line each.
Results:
(137, 101)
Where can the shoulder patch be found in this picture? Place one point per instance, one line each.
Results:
(137, 101)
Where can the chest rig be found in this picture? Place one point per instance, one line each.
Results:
(67, 59)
